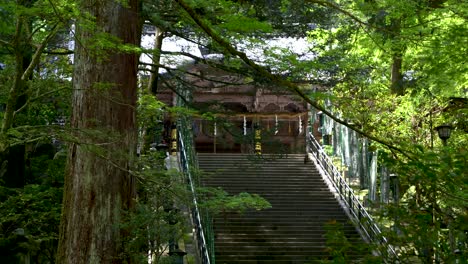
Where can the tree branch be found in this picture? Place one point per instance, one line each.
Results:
(191, 74)
(37, 98)
(5, 43)
(37, 55)
(64, 52)
(339, 9)
(275, 78)
(199, 59)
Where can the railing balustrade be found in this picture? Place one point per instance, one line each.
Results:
(200, 220)
(346, 194)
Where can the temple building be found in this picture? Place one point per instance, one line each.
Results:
(236, 113)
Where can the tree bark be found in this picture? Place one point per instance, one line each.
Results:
(397, 77)
(98, 185)
(158, 41)
(398, 48)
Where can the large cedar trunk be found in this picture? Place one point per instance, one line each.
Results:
(98, 186)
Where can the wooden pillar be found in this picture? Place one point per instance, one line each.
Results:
(173, 140)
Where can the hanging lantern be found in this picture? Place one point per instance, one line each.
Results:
(245, 126)
(276, 124)
(300, 125)
(214, 138)
(258, 137)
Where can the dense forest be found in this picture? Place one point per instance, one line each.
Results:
(80, 181)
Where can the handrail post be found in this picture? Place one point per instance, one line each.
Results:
(206, 252)
(357, 211)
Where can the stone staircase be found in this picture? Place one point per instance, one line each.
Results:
(292, 230)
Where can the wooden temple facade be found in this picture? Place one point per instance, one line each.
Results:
(243, 116)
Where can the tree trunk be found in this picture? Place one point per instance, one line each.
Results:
(12, 158)
(397, 78)
(158, 41)
(398, 48)
(98, 186)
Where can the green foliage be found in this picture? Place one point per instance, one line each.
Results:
(430, 222)
(292, 18)
(32, 98)
(102, 44)
(341, 250)
(337, 243)
(354, 58)
(150, 110)
(157, 219)
(151, 229)
(216, 201)
(231, 17)
(29, 217)
(352, 54)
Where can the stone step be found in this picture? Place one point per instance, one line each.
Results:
(213, 168)
(248, 238)
(251, 174)
(266, 180)
(282, 242)
(306, 257)
(292, 231)
(307, 209)
(291, 214)
(238, 166)
(303, 229)
(249, 261)
(278, 224)
(273, 191)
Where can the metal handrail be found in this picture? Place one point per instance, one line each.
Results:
(206, 249)
(357, 211)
